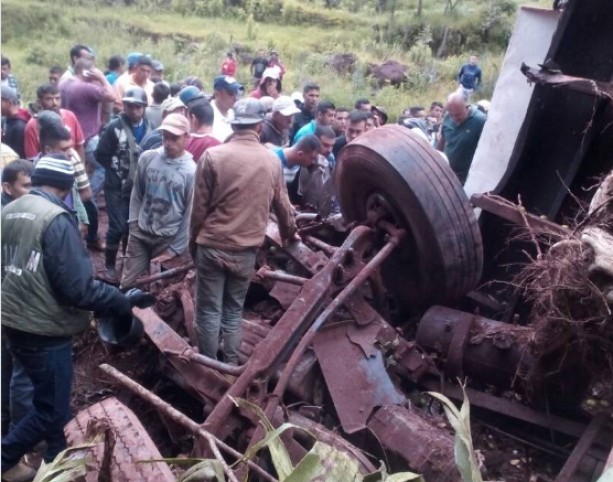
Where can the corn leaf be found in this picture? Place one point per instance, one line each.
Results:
(338, 466)
(67, 466)
(308, 468)
(278, 452)
(266, 441)
(208, 469)
(464, 453)
(403, 477)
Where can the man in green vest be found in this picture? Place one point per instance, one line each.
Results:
(48, 292)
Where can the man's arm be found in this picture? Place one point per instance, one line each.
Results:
(118, 87)
(79, 208)
(20, 140)
(478, 79)
(107, 146)
(441, 143)
(139, 187)
(283, 209)
(70, 272)
(204, 182)
(80, 177)
(31, 144)
(460, 74)
(108, 92)
(181, 239)
(441, 137)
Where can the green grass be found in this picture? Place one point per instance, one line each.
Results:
(38, 34)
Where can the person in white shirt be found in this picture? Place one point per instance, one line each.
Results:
(227, 91)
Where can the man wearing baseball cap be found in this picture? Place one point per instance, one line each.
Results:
(275, 131)
(118, 152)
(227, 91)
(48, 292)
(190, 94)
(161, 201)
(14, 121)
(140, 77)
(237, 185)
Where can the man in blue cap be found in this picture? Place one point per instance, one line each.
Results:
(190, 94)
(131, 60)
(227, 91)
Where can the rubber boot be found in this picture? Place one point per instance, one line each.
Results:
(111, 271)
(19, 473)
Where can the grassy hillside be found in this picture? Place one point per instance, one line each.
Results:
(191, 37)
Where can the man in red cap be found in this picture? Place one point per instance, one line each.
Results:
(161, 200)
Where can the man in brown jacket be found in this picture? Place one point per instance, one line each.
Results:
(236, 186)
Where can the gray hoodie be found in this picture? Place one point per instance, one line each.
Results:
(161, 200)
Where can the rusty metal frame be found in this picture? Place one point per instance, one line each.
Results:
(290, 328)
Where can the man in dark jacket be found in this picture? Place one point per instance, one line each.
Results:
(48, 290)
(118, 152)
(14, 122)
(16, 385)
(310, 92)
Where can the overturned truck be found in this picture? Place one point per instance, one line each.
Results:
(410, 292)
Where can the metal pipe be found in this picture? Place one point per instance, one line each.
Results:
(307, 339)
(310, 228)
(318, 243)
(207, 362)
(165, 274)
(281, 276)
(186, 422)
(307, 217)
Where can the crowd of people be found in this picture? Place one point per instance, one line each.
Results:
(180, 172)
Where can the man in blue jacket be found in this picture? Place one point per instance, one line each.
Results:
(48, 292)
(469, 76)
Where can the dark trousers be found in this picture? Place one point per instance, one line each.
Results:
(7, 372)
(118, 209)
(17, 390)
(48, 363)
(92, 215)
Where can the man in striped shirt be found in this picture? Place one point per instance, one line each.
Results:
(56, 139)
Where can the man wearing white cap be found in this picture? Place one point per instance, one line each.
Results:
(275, 130)
(161, 200)
(237, 185)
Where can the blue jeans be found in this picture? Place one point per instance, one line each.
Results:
(223, 279)
(17, 390)
(118, 209)
(49, 365)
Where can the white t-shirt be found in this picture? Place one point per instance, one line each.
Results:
(222, 127)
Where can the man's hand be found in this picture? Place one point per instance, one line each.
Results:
(83, 228)
(294, 239)
(140, 298)
(165, 256)
(97, 74)
(272, 91)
